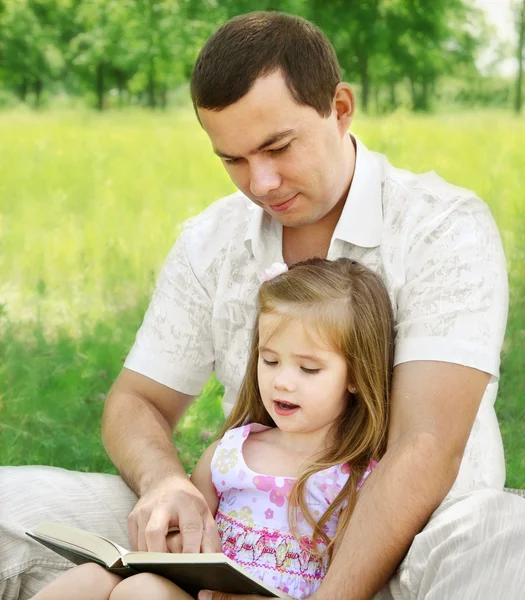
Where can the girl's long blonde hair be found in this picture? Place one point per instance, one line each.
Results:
(348, 306)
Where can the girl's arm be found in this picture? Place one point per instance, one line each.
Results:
(201, 478)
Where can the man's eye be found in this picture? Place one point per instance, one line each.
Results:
(230, 161)
(311, 371)
(281, 149)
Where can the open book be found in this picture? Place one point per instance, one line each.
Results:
(191, 572)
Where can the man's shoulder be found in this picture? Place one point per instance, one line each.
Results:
(426, 196)
(408, 184)
(426, 215)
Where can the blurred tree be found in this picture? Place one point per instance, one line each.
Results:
(382, 42)
(147, 47)
(30, 55)
(354, 29)
(156, 29)
(431, 39)
(100, 50)
(519, 9)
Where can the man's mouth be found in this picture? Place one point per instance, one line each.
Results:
(283, 205)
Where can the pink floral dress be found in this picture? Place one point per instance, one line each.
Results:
(252, 517)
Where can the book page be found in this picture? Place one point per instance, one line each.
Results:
(78, 539)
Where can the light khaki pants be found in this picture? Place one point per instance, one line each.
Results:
(473, 547)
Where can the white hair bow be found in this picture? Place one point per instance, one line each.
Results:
(271, 272)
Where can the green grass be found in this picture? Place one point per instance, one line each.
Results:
(89, 207)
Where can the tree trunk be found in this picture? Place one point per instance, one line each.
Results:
(420, 94)
(38, 92)
(377, 99)
(521, 42)
(151, 59)
(413, 90)
(121, 86)
(152, 101)
(164, 96)
(23, 90)
(425, 103)
(100, 86)
(393, 94)
(365, 83)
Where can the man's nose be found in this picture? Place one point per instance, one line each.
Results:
(263, 178)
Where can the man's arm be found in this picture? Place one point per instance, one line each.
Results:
(434, 405)
(137, 427)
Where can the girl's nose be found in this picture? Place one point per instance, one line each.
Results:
(284, 381)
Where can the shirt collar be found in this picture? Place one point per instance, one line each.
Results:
(360, 222)
(254, 229)
(264, 236)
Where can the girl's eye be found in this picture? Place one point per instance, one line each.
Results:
(281, 149)
(310, 371)
(230, 161)
(270, 363)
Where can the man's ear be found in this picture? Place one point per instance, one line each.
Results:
(344, 106)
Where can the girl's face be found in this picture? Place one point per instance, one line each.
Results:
(303, 381)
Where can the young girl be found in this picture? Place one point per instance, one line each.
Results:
(308, 426)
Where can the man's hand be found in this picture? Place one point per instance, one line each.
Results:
(173, 502)
(174, 542)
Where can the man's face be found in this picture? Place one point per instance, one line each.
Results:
(285, 157)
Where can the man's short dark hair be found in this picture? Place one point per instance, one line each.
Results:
(258, 44)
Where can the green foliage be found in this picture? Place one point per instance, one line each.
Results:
(142, 49)
(519, 12)
(89, 207)
(383, 42)
(30, 51)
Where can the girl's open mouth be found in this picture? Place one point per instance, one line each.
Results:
(285, 408)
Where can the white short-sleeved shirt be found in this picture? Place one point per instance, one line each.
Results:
(435, 246)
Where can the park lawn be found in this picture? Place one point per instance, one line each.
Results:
(90, 205)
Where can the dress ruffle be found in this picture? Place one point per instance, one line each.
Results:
(274, 557)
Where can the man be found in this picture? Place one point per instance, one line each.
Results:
(268, 92)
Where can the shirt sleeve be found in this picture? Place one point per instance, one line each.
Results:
(174, 345)
(454, 302)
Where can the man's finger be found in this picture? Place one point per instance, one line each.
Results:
(141, 537)
(156, 531)
(174, 543)
(211, 541)
(191, 530)
(133, 533)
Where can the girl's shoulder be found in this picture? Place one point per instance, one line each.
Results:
(228, 456)
(238, 435)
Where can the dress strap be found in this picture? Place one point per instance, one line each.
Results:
(227, 465)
